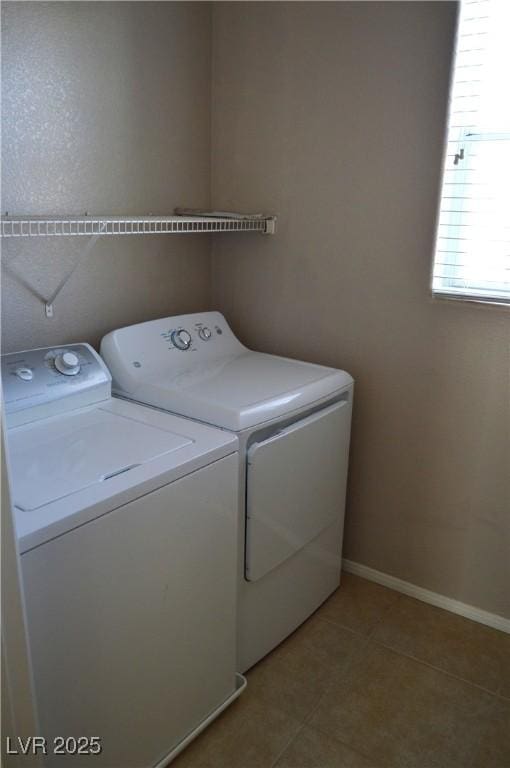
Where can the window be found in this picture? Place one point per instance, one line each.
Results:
(472, 257)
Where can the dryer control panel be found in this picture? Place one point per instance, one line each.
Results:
(207, 334)
(43, 382)
(168, 348)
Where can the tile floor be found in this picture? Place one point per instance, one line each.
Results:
(373, 680)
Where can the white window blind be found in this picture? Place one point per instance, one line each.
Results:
(472, 256)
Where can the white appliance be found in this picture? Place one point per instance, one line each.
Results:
(293, 423)
(127, 528)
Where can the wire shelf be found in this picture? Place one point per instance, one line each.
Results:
(69, 226)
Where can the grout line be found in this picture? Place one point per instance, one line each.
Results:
(371, 630)
(365, 755)
(500, 689)
(371, 637)
(341, 673)
(356, 632)
(288, 743)
(340, 626)
(476, 750)
(305, 722)
(436, 669)
(368, 640)
(383, 615)
(327, 688)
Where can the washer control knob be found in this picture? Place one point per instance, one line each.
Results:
(26, 374)
(181, 339)
(67, 363)
(205, 334)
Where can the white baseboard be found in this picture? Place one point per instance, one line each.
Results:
(426, 596)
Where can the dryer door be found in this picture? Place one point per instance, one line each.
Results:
(296, 482)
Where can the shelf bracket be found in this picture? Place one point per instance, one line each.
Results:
(270, 225)
(48, 302)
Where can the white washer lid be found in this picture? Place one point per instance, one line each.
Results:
(242, 390)
(57, 457)
(169, 448)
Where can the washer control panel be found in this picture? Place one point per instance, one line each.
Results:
(72, 375)
(67, 363)
(23, 373)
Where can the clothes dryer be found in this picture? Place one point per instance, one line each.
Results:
(293, 422)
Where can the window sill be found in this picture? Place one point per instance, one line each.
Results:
(492, 303)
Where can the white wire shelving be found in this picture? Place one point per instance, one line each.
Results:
(71, 226)
(184, 221)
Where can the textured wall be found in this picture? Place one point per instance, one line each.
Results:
(332, 115)
(106, 109)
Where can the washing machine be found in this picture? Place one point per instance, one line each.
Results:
(127, 527)
(293, 423)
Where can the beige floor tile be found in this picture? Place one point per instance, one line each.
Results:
(357, 604)
(404, 714)
(505, 682)
(494, 751)
(465, 648)
(294, 675)
(311, 749)
(329, 643)
(249, 734)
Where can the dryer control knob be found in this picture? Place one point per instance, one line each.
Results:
(204, 333)
(181, 339)
(67, 363)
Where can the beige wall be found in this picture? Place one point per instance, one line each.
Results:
(331, 115)
(105, 110)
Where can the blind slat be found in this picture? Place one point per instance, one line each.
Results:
(472, 257)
